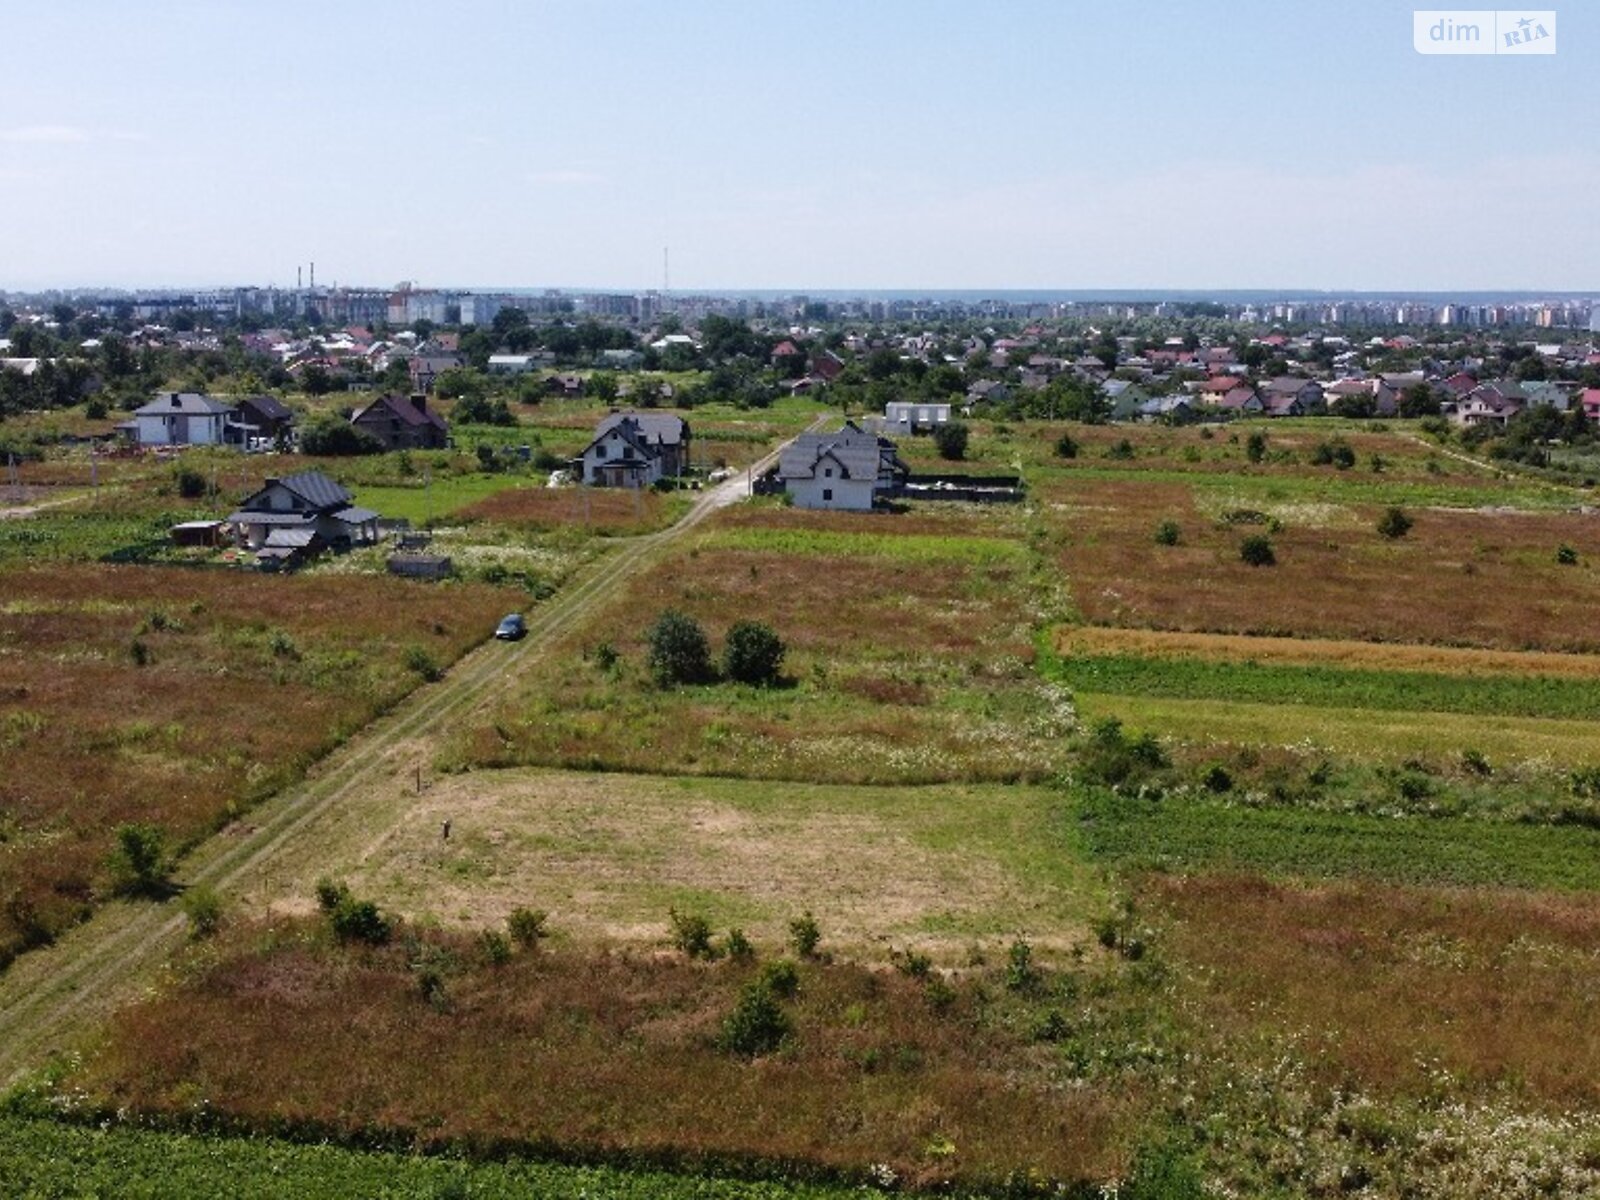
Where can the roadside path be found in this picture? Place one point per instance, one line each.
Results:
(51, 997)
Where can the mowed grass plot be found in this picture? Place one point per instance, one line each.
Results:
(175, 698)
(1465, 578)
(936, 869)
(909, 661)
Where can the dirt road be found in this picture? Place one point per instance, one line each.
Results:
(51, 997)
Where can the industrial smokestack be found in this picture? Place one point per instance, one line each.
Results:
(313, 277)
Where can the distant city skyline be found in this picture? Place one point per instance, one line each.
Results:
(909, 147)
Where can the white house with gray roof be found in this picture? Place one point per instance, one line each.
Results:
(299, 514)
(842, 470)
(185, 419)
(633, 449)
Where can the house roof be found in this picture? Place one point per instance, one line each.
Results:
(248, 516)
(291, 539)
(269, 407)
(316, 489)
(403, 410)
(186, 403)
(860, 455)
(654, 429)
(355, 515)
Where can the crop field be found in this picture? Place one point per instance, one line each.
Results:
(534, 508)
(929, 681)
(175, 698)
(936, 869)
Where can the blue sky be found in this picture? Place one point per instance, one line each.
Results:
(873, 144)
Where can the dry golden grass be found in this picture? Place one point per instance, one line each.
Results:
(1307, 652)
(1387, 985)
(601, 510)
(1463, 578)
(221, 712)
(608, 1053)
(939, 869)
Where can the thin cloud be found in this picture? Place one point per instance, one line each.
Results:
(53, 134)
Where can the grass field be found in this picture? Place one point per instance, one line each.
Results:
(616, 1054)
(935, 869)
(908, 662)
(140, 694)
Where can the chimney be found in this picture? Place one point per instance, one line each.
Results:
(419, 402)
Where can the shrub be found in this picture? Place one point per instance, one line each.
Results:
(330, 893)
(738, 947)
(331, 434)
(1112, 758)
(419, 660)
(1255, 446)
(780, 977)
(527, 926)
(496, 947)
(951, 439)
(1475, 762)
(1168, 533)
(352, 920)
(96, 409)
(804, 935)
(139, 652)
(203, 907)
(1021, 974)
(691, 934)
(191, 484)
(605, 656)
(679, 652)
(753, 654)
(910, 962)
(1122, 450)
(1066, 447)
(1215, 778)
(1257, 551)
(1566, 555)
(140, 861)
(757, 1025)
(1394, 523)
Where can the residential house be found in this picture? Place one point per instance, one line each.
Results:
(1241, 399)
(1488, 404)
(991, 391)
(426, 369)
(568, 387)
(267, 418)
(909, 417)
(511, 364)
(294, 517)
(1590, 399)
(403, 424)
(185, 419)
(633, 449)
(1276, 395)
(841, 470)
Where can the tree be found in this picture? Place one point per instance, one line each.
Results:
(329, 433)
(753, 654)
(1394, 523)
(679, 651)
(1419, 400)
(602, 385)
(1257, 551)
(951, 439)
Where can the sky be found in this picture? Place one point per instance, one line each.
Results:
(872, 144)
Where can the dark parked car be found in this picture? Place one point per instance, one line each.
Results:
(511, 628)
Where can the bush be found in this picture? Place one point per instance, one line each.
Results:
(329, 433)
(1255, 446)
(419, 660)
(753, 654)
(203, 907)
(804, 935)
(140, 862)
(1066, 447)
(1257, 551)
(1566, 555)
(780, 977)
(757, 1025)
(679, 651)
(738, 947)
(1122, 450)
(527, 926)
(1394, 523)
(496, 947)
(951, 439)
(330, 893)
(1215, 779)
(355, 920)
(1112, 758)
(1021, 974)
(1168, 533)
(191, 484)
(691, 934)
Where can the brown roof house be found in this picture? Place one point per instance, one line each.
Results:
(403, 424)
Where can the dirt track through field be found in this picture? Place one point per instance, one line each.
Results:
(50, 997)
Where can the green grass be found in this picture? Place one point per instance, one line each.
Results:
(1330, 687)
(417, 503)
(43, 1160)
(61, 535)
(915, 548)
(1182, 835)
